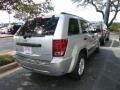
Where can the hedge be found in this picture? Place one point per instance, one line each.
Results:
(6, 59)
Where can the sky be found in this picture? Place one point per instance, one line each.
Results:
(87, 13)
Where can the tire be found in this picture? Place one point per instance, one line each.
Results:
(107, 39)
(102, 42)
(98, 48)
(79, 68)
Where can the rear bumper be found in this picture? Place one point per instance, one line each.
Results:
(57, 67)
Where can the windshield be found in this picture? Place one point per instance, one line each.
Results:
(38, 27)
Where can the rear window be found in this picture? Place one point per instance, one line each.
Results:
(39, 26)
(73, 27)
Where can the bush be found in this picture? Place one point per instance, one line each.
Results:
(115, 27)
(6, 59)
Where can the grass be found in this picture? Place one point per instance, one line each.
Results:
(6, 59)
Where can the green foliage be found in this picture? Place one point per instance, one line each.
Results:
(14, 4)
(25, 9)
(6, 59)
(115, 27)
(105, 7)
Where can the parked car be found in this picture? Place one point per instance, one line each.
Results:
(55, 45)
(14, 29)
(103, 34)
(4, 30)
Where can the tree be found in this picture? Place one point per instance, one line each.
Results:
(34, 10)
(14, 4)
(105, 7)
(26, 9)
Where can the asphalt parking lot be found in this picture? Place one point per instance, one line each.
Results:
(6, 44)
(102, 73)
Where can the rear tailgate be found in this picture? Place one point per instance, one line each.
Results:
(35, 47)
(35, 38)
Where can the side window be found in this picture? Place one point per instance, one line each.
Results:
(84, 26)
(73, 27)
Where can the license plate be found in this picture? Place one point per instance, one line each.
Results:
(27, 50)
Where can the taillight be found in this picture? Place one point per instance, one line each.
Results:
(59, 47)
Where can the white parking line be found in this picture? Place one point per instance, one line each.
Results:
(112, 43)
(9, 72)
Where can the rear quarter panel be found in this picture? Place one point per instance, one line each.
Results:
(75, 45)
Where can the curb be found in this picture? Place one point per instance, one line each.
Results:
(114, 33)
(8, 52)
(8, 67)
(6, 36)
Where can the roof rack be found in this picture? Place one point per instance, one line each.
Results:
(69, 14)
(73, 15)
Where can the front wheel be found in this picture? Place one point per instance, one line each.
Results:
(80, 67)
(98, 48)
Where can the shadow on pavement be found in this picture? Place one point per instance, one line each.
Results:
(102, 73)
(112, 43)
(116, 44)
(108, 43)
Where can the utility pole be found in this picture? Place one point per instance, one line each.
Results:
(9, 12)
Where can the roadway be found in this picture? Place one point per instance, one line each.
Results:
(6, 44)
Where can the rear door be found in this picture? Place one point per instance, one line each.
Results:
(35, 38)
(88, 38)
(95, 38)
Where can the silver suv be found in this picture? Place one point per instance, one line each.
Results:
(55, 45)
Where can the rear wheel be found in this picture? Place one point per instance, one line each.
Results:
(102, 41)
(107, 39)
(80, 67)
